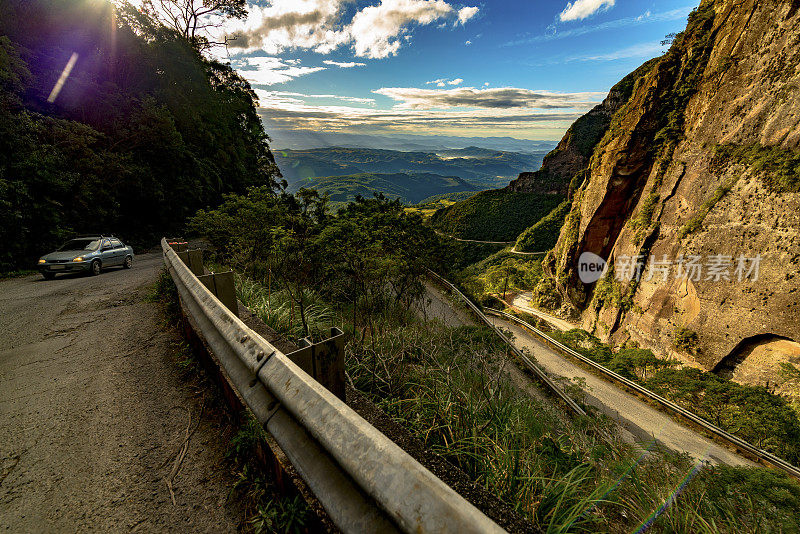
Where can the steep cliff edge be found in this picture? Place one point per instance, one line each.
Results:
(701, 160)
(562, 169)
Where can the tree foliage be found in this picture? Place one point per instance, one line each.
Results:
(369, 256)
(495, 215)
(143, 133)
(543, 235)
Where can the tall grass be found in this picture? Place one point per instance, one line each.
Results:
(278, 312)
(448, 386)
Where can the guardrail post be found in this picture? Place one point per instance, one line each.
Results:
(364, 481)
(324, 361)
(193, 260)
(223, 287)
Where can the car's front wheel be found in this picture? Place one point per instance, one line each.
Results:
(48, 275)
(95, 267)
(128, 262)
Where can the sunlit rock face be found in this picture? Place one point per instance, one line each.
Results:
(680, 172)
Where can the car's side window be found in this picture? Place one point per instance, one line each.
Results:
(116, 243)
(106, 243)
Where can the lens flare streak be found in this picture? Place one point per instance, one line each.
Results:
(63, 78)
(673, 496)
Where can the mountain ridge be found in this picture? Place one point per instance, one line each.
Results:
(686, 168)
(410, 188)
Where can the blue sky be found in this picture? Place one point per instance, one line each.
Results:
(524, 69)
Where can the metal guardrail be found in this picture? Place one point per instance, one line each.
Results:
(764, 456)
(535, 369)
(365, 482)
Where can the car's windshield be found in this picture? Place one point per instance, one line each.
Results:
(81, 244)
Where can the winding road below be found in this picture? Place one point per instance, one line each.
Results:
(635, 416)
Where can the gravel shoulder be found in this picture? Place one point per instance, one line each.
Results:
(93, 412)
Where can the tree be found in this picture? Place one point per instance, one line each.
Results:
(194, 19)
(373, 253)
(144, 133)
(291, 254)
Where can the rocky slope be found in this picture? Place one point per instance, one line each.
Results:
(562, 169)
(701, 160)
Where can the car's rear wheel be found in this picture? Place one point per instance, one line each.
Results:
(128, 262)
(95, 267)
(48, 275)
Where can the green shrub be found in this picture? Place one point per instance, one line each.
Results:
(686, 340)
(546, 296)
(544, 234)
(778, 167)
(696, 222)
(496, 215)
(750, 412)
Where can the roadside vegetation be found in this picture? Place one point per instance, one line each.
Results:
(753, 413)
(145, 132)
(364, 269)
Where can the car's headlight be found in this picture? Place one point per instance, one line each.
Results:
(41, 260)
(79, 258)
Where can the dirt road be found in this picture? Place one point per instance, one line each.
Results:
(522, 301)
(93, 412)
(635, 416)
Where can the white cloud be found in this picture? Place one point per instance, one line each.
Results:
(281, 112)
(486, 84)
(444, 82)
(486, 98)
(267, 70)
(344, 65)
(284, 24)
(580, 9)
(375, 28)
(375, 31)
(466, 13)
(276, 98)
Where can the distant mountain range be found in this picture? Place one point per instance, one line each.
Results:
(410, 188)
(483, 168)
(304, 139)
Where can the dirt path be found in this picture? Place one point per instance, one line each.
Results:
(522, 301)
(93, 412)
(637, 418)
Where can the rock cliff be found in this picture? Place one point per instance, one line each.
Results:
(563, 168)
(700, 159)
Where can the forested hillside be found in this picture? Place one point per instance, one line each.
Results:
(482, 167)
(495, 215)
(410, 188)
(143, 132)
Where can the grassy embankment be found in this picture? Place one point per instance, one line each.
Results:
(448, 387)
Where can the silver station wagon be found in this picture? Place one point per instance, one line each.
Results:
(90, 254)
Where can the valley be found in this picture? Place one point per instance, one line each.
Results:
(483, 168)
(416, 315)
